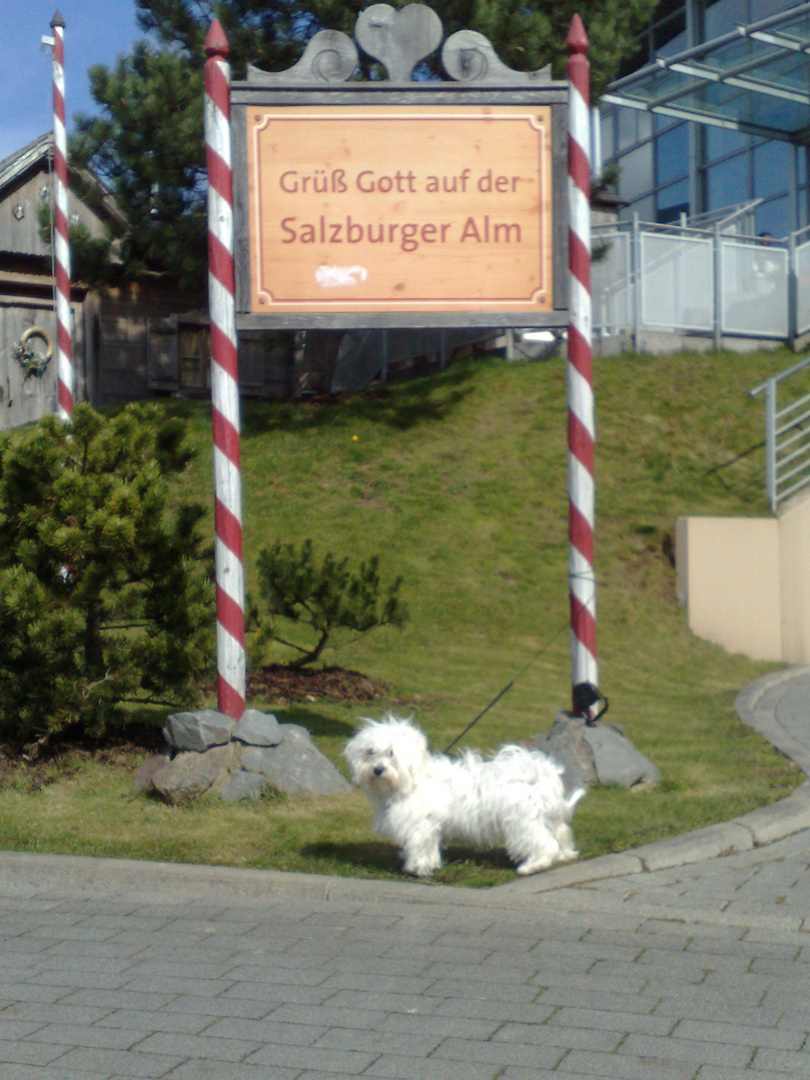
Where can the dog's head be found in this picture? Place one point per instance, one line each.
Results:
(386, 756)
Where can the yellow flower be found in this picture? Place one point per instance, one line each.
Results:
(355, 438)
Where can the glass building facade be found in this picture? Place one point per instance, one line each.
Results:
(669, 167)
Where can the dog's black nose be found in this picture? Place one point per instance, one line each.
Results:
(379, 770)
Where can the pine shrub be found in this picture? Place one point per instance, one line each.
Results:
(314, 599)
(105, 585)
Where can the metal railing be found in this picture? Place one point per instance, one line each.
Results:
(714, 281)
(787, 437)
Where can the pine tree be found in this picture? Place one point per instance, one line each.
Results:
(320, 597)
(105, 592)
(147, 143)
(147, 149)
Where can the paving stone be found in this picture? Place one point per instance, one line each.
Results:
(448, 1026)
(399, 1067)
(380, 1042)
(749, 1034)
(559, 1035)
(119, 1063)
(212, 1070)
(624, 1066)
(47, 1072)
(688, 1050)
(307, 1057)
(709, 1072)
(612, 1021)
(85, 1035)
(785, 1061)
(270, 1030)
(16, 1052)
(173, 1043)
(502, 1053)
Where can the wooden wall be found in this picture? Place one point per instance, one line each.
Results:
(148, 343)
(22, 399)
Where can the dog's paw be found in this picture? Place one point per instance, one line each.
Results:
(421, 867)
(533, 866)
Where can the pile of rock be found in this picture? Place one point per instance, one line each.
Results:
(207, 752)
(597, 754)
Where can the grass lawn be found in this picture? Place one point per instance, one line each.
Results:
(458, 481)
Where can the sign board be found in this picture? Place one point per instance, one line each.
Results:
(369, 206)
(410, 208)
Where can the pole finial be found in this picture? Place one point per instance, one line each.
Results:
(216, 44)
(57, 20)
(577, 40)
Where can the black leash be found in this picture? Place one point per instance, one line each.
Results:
(595, 695)
(507, 688)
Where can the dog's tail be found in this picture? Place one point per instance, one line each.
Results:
(572, 800)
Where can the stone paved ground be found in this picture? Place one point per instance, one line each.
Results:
(696, 972)
(674, 962)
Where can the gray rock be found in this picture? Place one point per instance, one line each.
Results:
(565, 744)
(192, 773)
(198, 730)
(296, 766)
(616, 760)
(258, 729)
(600, 754)
(237, 762)
(295, 734)
(244, 785)
(143, 778)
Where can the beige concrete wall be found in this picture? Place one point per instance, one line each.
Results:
(794, 554)
(729, 578)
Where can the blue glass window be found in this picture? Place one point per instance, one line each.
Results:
(722, 141)
(635, 172)
(773, 217)
(773, 165)
(727, 183)
(672, 154)
(672, 201)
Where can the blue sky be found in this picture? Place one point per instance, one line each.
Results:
(96, 32)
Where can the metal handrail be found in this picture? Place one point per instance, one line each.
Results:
(787, 444)
(724, 216)
(798, 366)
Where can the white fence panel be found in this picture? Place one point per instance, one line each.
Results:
(803, 288)
(678, 282)
(611, 283)
(755, 289)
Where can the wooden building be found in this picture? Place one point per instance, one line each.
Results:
(129, 344)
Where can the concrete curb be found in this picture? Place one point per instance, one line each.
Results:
(23, 872)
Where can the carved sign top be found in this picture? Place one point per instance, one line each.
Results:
(400, 40)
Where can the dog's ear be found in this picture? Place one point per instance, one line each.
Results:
(413, 747)
(355, 747)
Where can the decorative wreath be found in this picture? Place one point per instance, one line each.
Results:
(33, 361)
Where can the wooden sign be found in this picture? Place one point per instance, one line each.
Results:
(400, 202)
(415, 208)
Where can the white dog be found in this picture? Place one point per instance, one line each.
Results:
(423, 800)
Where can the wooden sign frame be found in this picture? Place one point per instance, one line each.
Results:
(441, 223)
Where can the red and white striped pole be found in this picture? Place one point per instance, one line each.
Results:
(64, 335)
(581, 432)
(230, 581)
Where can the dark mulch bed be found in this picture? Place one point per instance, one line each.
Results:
(279, 683)
(274, 683)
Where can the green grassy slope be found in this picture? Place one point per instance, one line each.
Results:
(459, 482)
